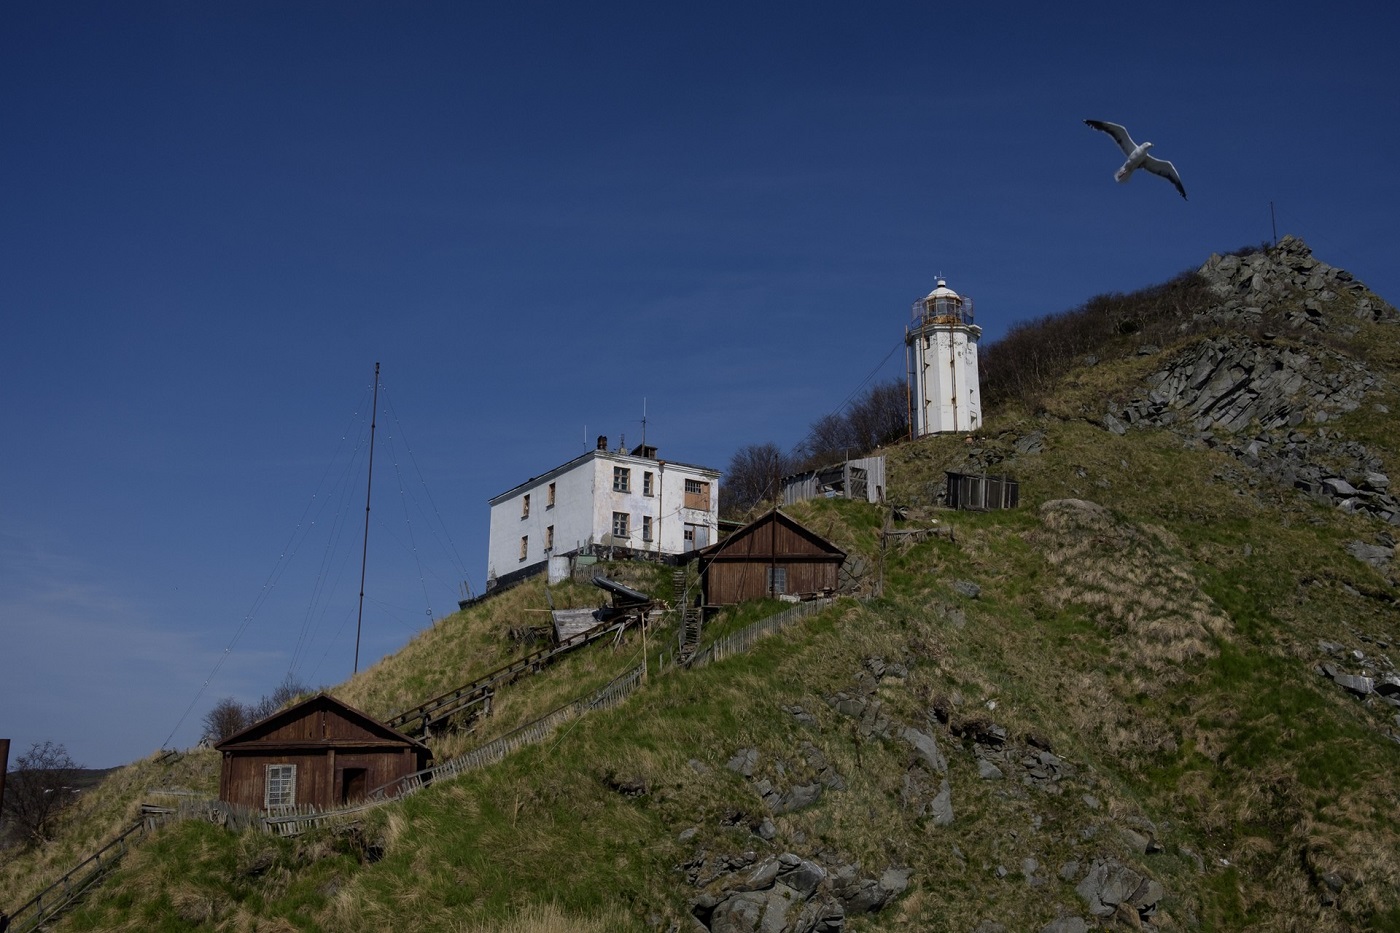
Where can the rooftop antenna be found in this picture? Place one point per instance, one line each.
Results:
(1273, 222)
(644, 420)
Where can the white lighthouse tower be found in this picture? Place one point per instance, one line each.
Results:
(942, 355)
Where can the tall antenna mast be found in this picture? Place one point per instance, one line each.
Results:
(644, 420)
(364, 553)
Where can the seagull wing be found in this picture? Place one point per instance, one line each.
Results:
(1119, 134)
(1166, 170)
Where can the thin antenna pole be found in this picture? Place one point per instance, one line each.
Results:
(364, 553)
(644, 421)
(1273, 222)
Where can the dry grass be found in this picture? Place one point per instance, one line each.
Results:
(1147, 598)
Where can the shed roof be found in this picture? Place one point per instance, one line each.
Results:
(819, 545)
(257, 735)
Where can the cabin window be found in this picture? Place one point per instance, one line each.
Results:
(697, 495)
(646, 526)
(622, 524)
(777, 580)
(549, 503)
(549, 538)
(622, 479)
(524, 546)
(647, 479)
(525, 506)
(280, 786)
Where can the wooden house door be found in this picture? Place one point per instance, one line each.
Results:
(352, 784)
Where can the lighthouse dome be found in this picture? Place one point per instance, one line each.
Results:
(943, 291)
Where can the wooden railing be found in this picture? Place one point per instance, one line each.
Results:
(57, 896)
(440, 707)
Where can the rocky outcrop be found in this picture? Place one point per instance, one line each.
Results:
(1266, 401)
(1289, 281)
(1112, 889)
(789, 894)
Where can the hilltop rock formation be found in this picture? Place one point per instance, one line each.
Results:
(1266, 401)
(1289, 281)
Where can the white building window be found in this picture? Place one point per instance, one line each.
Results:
(622, 524)
(524, 546)
(280, 786)
(647, 483)
(549, 502)
(697, 495)
(525, 506)
(646, 525)
(622, 479)
(549, 538)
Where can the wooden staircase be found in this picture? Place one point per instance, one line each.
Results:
(420, 720)
(690, 621)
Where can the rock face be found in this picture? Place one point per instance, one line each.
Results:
(1265, 402)
(791, 894)
(1113, 889)
(1288, 279)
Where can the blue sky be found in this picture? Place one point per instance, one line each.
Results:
(217, 217)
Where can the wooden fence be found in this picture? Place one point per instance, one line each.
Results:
(746, 638)
(59, 895)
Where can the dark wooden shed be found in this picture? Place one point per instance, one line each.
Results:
(320, 752)
(771, 556)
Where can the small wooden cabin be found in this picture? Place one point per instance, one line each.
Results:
(769, 557)
(320, 752)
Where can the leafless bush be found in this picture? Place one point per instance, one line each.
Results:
(1025, 363)
(38, 790)
(229, 716)
(755, 473)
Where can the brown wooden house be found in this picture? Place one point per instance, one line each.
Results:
(320, 752)
(769, 557)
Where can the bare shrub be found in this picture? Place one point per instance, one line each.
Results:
(39, 789)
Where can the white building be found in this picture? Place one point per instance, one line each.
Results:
(603, 501)
(942, 346)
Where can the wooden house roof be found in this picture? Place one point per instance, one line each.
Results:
(793, 541)
(320, 721)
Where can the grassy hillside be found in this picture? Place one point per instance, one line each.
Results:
(1125, 671)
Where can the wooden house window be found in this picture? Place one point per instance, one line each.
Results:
(622, 479)
(280, 788)
(646, 526)
(647, 479)
(622, 524)
(777, 580)
(697, 495)
(525, 506)
(549, 502)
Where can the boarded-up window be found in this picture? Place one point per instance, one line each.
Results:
(697, 495)
(280, 789)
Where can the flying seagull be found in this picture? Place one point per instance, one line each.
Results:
(1137, 156)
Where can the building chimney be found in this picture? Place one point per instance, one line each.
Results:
(602, 442)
